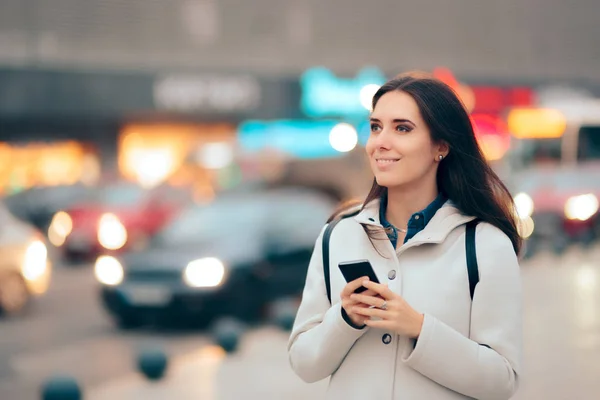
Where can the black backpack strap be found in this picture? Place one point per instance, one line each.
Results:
(472, 267)
(326, 237)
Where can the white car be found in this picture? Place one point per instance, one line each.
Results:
(25, 268)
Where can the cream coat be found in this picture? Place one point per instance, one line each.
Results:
(449, 360)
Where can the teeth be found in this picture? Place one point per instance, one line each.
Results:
(386, 161)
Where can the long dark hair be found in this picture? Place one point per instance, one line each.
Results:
(463, 176)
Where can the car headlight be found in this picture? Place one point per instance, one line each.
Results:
(524, 205)
(35, 261)
(112, 234)
(108, 270)
(205, 272)
(60, 227)
(581, 207)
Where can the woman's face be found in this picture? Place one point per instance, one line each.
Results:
(400, 149)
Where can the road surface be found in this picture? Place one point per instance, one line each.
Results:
(67, 332)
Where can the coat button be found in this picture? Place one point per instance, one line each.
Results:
(392, 275)
(386, 339)
(417, 216)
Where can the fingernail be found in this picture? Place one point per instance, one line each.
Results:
(365, 281)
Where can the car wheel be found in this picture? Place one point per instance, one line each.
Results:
(248, 305)
(560, 244)
(587, 239)
(14, 295)
(529, 249)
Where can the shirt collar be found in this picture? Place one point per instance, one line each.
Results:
(424, 216)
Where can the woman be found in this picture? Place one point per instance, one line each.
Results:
(418, 334)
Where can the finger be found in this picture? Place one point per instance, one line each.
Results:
(370, 312)
(371, 293)
(353, 285)
(378, 288)
(375, 301)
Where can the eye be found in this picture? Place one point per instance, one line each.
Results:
(403, 128)
(375, 127)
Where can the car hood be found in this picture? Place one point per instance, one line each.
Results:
(231, 254)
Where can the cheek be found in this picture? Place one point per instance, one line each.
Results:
(369, 146)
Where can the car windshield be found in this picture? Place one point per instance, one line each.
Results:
(225, 219)
(120, 195)
(589, 144)
(539, 151)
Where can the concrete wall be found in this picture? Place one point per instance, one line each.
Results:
(508, 39)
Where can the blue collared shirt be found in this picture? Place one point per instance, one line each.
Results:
(416, 223)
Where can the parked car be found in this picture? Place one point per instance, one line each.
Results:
(228, 258)
(25, 268)
(562, 203)
(114, 218)
(38, 205)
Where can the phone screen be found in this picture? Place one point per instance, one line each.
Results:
(353, 270)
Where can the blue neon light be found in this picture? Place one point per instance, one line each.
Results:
(326, 95)
(299, 138)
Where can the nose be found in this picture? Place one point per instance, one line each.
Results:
(382, 141)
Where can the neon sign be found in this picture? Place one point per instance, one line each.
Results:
(303, 139)
(326, 95)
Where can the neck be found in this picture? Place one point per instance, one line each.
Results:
(403, 202)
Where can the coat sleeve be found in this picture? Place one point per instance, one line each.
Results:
(321, 337)
(487, 365)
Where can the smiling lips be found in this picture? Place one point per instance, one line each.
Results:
(383, 162)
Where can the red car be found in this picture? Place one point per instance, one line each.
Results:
(116, 217)
(563, 203)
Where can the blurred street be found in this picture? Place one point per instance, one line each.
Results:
(172, 163)
(562, 344)
(67, 332)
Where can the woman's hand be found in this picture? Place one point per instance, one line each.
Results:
(395, 313)
(350, 305)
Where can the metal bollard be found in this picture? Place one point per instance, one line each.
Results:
(152, 363)
(61, 388)
(227, 332)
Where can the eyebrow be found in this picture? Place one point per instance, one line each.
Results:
(397, 120)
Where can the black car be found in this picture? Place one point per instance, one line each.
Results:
(227, 258)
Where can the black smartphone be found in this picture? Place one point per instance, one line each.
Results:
(355, 269)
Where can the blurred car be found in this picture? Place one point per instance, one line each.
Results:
(559, 205)
(38, 205)
(25, 269)
(114, 218)
(228, 258)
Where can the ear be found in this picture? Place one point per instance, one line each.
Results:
(442, 148)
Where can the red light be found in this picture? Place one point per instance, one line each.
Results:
(492, 135)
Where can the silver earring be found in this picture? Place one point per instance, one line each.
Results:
(441, 157)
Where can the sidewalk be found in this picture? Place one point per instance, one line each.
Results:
(259, 370)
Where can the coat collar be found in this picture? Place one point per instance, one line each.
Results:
(445, 220)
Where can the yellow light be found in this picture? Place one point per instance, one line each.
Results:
(540, 123)
(581, 207)
(112, 234)
(205, 272)
(525, 227)
(60, 227)
(493, 147)
(524, 205)
(108, 270)
(343, 137)
(35, 261)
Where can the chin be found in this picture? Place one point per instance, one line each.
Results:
(389, 182)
